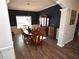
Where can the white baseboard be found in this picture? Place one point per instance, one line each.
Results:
(7, 52)
(60, 45)
(6, 48)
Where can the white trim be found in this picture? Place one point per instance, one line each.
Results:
(46, 7)
(64, 9)
(6, 48)
(60, 45)
(35, 10)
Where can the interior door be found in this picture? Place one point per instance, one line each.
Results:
(77, 27)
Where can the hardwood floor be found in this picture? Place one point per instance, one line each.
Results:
(49, 50)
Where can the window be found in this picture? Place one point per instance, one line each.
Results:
(44, 21)
(23, 20)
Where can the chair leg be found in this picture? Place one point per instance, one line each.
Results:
(23, 37)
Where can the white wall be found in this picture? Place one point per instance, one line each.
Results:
(72, 4)
(66, 31)
(0, 55)
(6, 44)
(5, 35)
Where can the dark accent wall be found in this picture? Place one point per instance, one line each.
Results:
(14, 13)
(54, 13)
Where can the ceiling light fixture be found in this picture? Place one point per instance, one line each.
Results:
(57, 2)
(28, 5)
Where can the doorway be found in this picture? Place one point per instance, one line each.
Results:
(77, 28)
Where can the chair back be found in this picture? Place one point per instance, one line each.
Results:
(37, 34)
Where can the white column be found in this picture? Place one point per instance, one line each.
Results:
(6, 43)
(66, 31)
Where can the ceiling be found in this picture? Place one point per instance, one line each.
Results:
(34, 5)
